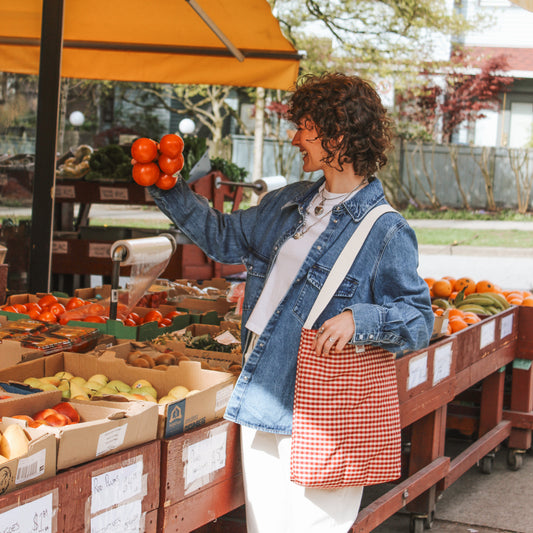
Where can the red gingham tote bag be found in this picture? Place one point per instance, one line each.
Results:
(346, 417)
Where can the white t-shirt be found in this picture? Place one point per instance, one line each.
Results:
(290, 259)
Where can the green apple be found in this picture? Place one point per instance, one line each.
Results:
(141, 383)
(118, 385)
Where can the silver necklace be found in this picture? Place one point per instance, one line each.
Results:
(306, 228)
(319, 209)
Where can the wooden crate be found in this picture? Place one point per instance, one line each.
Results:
(201, 476)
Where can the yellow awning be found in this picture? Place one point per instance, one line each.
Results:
(164, 41)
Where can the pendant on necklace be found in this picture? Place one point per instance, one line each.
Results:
(297, 235)
(319, 209)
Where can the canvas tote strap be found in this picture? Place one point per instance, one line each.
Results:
(344, 262)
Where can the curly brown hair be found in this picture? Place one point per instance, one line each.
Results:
(349, 117)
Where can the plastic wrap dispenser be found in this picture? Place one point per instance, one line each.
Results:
(126, 252)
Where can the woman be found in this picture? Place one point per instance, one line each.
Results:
(289, 243)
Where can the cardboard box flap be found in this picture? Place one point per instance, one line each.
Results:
(29, 404)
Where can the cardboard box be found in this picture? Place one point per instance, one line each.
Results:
(440, 326)
(12, 353)
(40, 461)
(220, 305)
(94, 293)
(208, 404)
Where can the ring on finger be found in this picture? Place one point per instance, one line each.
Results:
(332, 339)
(321, 330)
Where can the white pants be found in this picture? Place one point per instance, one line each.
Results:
(276, 505)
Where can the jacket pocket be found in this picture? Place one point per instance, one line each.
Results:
(314, 281)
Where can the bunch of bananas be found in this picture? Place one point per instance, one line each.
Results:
(483, 303)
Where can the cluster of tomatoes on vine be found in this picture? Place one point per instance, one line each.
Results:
(157, 163)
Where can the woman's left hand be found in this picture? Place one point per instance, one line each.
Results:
(334, 334)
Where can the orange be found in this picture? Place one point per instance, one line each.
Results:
(457, 324)
(451, 279)
(471, 318)
(468, 284)
(439, 311)
(429, 281)
(485, 286)
(516, 301)
(514, 295)
(442, 288)
(528, 302)
(455, 313)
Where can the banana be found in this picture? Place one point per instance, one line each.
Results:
(477, 309)
(441, 302)
(500, 299)
(478, 299)
(492, 309)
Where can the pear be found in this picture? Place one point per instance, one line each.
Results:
(146, 391)
(64, 387)
(63, 375)
(99, 378)
(93, 386)
(47, 387)
(33, 382)
(106, 390)
(78, 379)
(178, 392)
(166, 399)
(78, 390)
(51, 379)
(141, 383)
(118, 385)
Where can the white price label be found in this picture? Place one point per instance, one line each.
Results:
(100, 250)
(67, 192)
(31, 467)
(35, 517)
(116, 486)
(506, 326)
(222, 397)
(111, 439)
(204, 457)
(125, 518)
(418, 370)
(488, 333)
(60, 247)
(442, 362)
(113, 193)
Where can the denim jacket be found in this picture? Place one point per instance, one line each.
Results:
(389, 301)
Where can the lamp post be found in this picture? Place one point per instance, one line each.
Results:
(76, 119)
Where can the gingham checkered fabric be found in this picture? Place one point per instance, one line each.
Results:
(346, 420)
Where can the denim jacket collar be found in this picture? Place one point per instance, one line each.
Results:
(357, 206)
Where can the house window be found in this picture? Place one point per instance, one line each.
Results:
(521, 125)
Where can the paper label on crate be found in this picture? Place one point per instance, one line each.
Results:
(60, 247)
(65, 191)
(113, 193)
(418, 370)
(35, 516)
(100, 249)
(222, 397)
(204, 458)
(488, 334)
(506, 326)
(226, 338)
(442, 362)
(31, 467)
(124, 518)
(116, 487)
(109, 440)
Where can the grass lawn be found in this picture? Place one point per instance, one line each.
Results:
(470, 237)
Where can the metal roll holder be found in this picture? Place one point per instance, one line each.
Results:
(260, 186)
(121, 254)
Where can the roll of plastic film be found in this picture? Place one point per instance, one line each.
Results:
(270, 183)
(148, 250)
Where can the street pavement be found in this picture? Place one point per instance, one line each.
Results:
(501, 502)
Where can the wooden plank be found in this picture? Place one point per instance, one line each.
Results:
(202, 507)
(491, 402)
(76, 489)
(176, 482)
(398, 497)
(469, 457)
(519, 419)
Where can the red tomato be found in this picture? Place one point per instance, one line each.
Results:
(57, 309)
(165, 322)
(9, 309)
(48, 316)
(144, 150)
(21, 308)
(166, 182)
(135, 317)
(95, 309)
(34, 313)
(33, 305)
(47, 300)
(74, 303)
(95, 319)
(172, 314)
(130, 322)
(152, 316)
(169, 165)
(145, 174)
(171, 145)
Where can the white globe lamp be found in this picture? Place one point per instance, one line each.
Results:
(76, 118)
